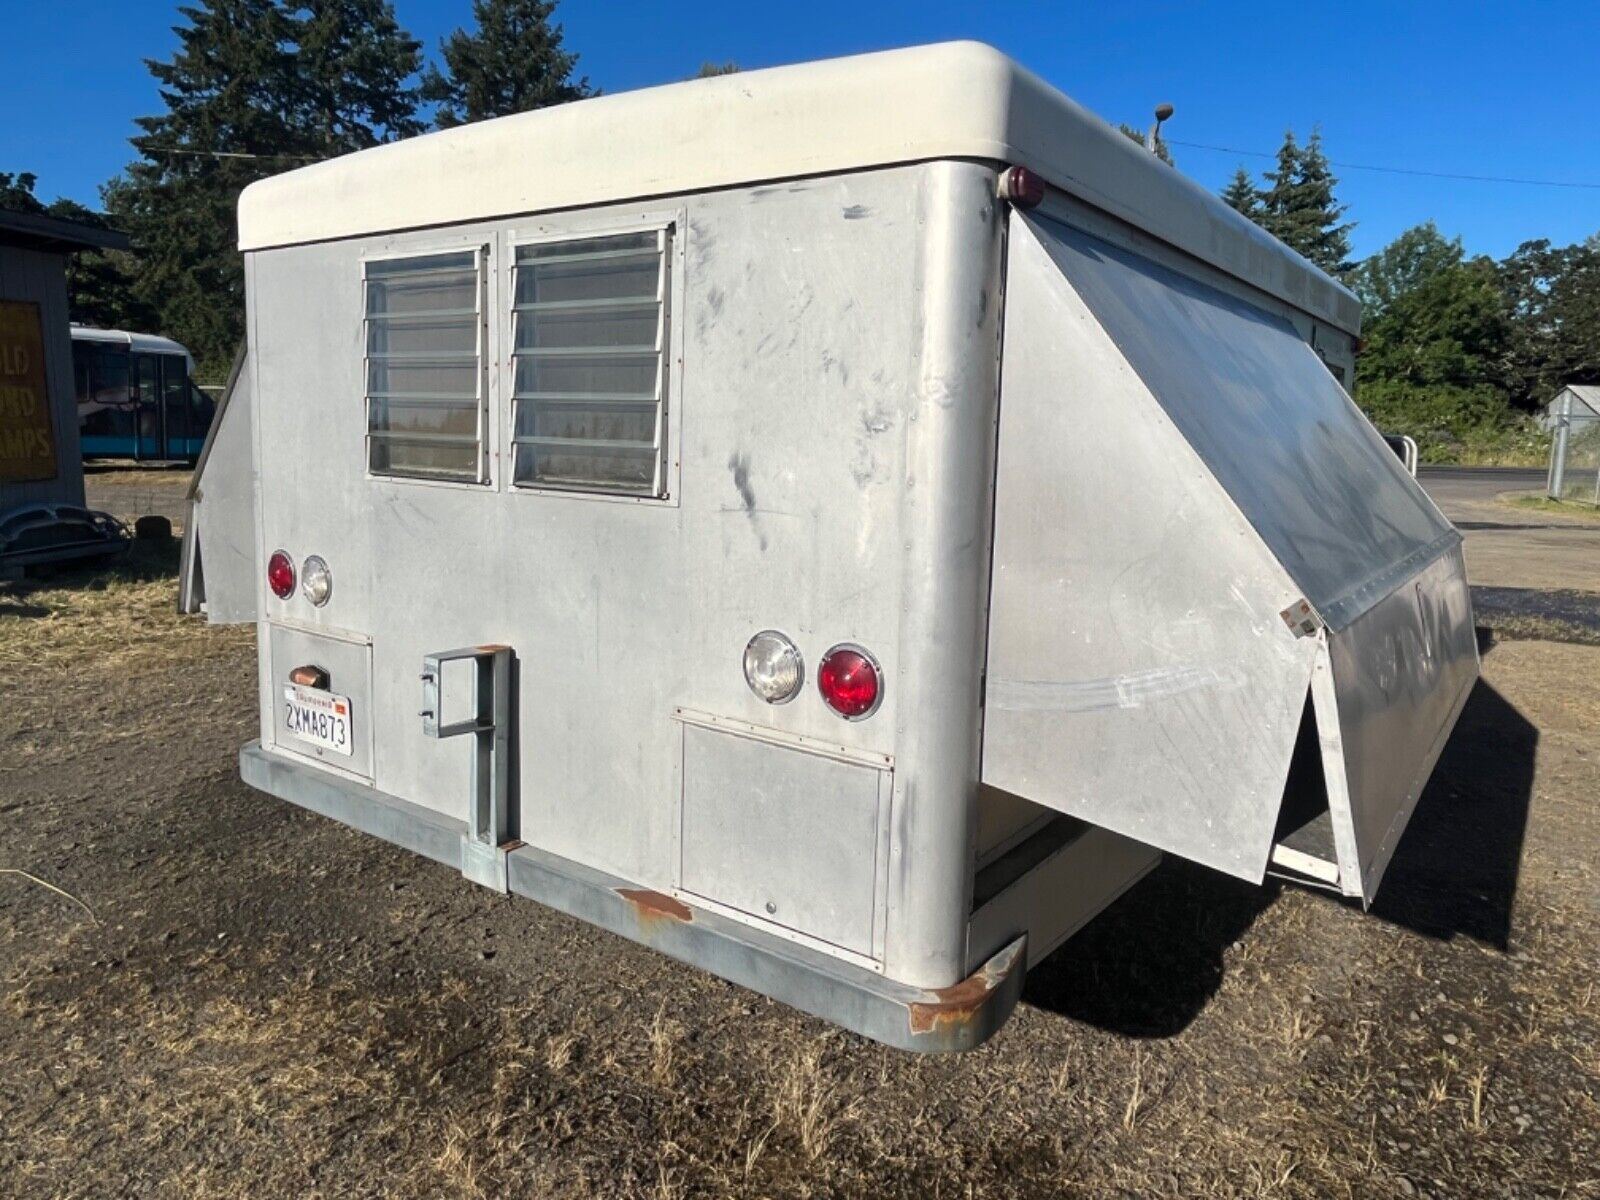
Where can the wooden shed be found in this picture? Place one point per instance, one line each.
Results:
(42, 513)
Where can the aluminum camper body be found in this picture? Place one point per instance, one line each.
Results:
(1078, 476)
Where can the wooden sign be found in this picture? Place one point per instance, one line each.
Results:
(27, 437)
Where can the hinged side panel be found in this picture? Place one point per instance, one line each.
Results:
(218, 574)
(1141, 676)
(1397, 679)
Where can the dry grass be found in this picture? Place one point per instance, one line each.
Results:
(117, 616)
(1538, 502)
(345, 1037)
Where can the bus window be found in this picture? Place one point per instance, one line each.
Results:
(175, 405)
(147, 386)
(105, 409)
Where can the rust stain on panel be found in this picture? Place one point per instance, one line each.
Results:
(952, 1006)
(653, 906)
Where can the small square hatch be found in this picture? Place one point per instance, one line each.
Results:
(785, 834)
(337, 667)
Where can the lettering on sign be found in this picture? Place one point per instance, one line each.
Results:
(27, 437)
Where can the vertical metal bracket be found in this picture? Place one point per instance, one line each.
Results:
(484, 846)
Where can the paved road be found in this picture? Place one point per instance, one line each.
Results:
(1509, 547)
(1450, 484)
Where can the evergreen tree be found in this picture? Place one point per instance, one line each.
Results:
(353, 68)
(710, 70)
(1242, 195)
(256, 87)
(1164, 154)
(1298, 205)
(1553, 295)
(513, 62)
(227, 91)
(1436, 328)
(16, 193)
(100, 290)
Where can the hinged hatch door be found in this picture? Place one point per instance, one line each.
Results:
(1177, 471)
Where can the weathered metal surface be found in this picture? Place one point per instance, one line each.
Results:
(348, 662)
(653, 906)
(953, 101)
(1390, 687)
(1140, 675)
(859, 514)
(409, 826)
(964, 1009)
(219, 567)
(1378, 565)
(785, 836)
(954, 1018)
(1189, 511)
(830, 471)
(1053, 899)
(1310, 474)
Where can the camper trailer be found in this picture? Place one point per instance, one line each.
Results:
(837, 525)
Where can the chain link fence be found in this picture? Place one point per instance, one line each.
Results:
(1574, 452)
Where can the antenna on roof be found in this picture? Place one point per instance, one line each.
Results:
(1163, 113)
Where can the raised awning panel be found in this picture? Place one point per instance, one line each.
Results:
(1177, 475)
(1332, 502)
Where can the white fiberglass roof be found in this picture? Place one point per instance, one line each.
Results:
(153, 343)
(952, 100)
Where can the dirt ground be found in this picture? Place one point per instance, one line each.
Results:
(237, 997)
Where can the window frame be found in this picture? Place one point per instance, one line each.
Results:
(484, 264)
(670, 223)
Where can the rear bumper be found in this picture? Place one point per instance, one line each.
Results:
(948, 1019)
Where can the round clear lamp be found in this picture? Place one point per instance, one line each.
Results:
(316, 580)
(773, 667)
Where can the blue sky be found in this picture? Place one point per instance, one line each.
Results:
(1466, 87)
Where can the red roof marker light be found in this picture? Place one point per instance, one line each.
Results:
(1022, 187)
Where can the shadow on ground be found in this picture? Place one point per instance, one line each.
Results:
(145, 559)
(1507, 526)
(1150, 964)
(1455, 871)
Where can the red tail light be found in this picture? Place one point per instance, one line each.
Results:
(851, 682)
(280, 574)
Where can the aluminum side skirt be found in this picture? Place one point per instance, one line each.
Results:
(924, 1020)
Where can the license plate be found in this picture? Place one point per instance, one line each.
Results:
(318, 717)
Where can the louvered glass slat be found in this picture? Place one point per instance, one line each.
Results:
(589, 326)
(425, 367)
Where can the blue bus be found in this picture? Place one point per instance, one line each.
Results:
(136, 398)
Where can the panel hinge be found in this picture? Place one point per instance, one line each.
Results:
(1301, 618)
